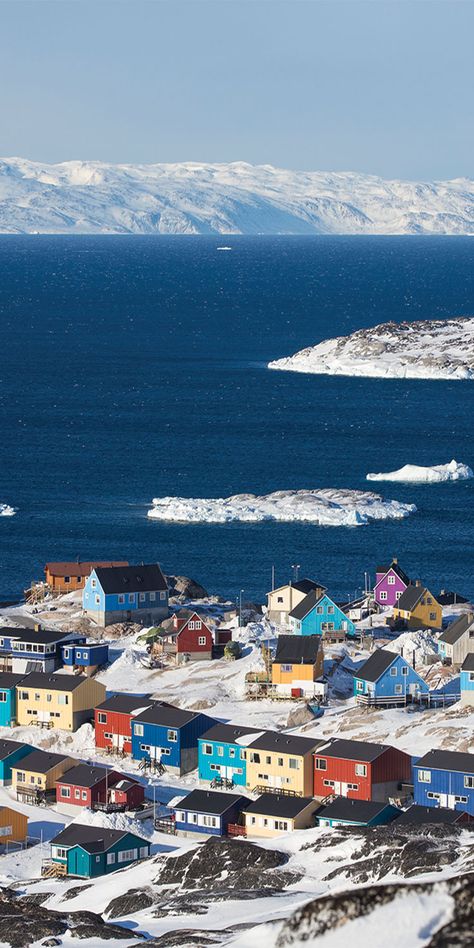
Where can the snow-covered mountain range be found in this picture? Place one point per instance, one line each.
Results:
(234, 198)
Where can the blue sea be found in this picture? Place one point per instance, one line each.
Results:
(135, 367)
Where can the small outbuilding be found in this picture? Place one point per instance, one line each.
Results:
(274, 815)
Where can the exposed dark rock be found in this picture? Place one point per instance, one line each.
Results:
(187, 938)
(90, 925)
(75, 890)
(221, 864)
(35, 898)
(24, 922)
(182, 588)
(51, 942)
(130, 902)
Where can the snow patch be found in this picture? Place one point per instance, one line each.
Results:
(415, 474)
(420, 644)
(7, 511)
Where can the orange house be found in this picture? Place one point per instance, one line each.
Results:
(67, 577)
(298, 663)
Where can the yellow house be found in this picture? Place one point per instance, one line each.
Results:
(281, 601)
(35, 775)
(419, 608)
(58, 701)
(273, 815)
(281, 761)
(298, 663)
(13, 826)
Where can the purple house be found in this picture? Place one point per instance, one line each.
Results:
(390, 583)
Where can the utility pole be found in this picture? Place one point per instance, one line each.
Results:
(295, 567)
(240, 608)
(273, 577)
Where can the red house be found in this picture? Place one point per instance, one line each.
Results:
(359, 770)
(188, 640)
(113, 720)
(87, 786)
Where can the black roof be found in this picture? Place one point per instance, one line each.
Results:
(94, 839)
(357, 811)
(53, 682)
(44, 636)
(228, 733)
(410, 597)
(9, 680)
(353, 750)
(429, 814)
(211, 801)
(447, 598)
(285, 743)
(396, 569)
(468, 663)
(456, 629)
(119, 579)
(83, 775)
(297, 649)
(40, 762)
(166, 715)
(124, 703)
(447, 760)
(271, 804)
(9, 747)
(306, 585)
(376, 665)
(302, 608)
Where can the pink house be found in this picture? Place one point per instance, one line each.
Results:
(390, 583)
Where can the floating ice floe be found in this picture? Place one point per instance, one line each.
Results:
(7, 511)
(325, 507)
(415, 474)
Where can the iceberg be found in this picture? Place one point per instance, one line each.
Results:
(7, 511)
(324, 507)
(415, 474)
(425, 349)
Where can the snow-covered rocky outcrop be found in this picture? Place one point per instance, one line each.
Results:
(7, 511)
(427, 349)
(415, 474)
(233, 198)
(326, 507)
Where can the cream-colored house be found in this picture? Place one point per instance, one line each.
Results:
(57, 701)
(276, 760)
(281, 601)
(273, 815)
(36, 774)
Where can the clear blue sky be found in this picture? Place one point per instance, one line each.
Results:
(367, 86)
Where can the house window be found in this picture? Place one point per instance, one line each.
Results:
(142, 597)
(110, 859)
(231, 751)
(280, 761)
(67, 579)
(131, 597)
(59, 852)
(429, 601)
(361, 770)
(138, 730)
(359, 685)
(180, 816)
(254, 758)
(281, 825)
(393, 671)
(320, 763)
(49, 698)
(207, 749)
(433, 796)
(432, 616)
(93, 583)
(172, 735)
(469, 782)
(383, 595)
(3, 696)
(460, 799)
(37, 696)
(77, 794)
(145, 747)
(108, 735)
(102, 718)
(398, 594)
(405, 670)
(121, 599)
(424, 776)
(127, 855)
(21, 777)
(279, 598)
(319, 610)
(352, 786)
(65, 792)
(84, 794)
(198, 624)
(398, 689)
(202, 640)
(293, 763)
(287, 668)
(471, 676)
(242, 755)
(330, 610)
(97, 600)
(63, 699)
(328, 783)
(268, 760)
(162, 595)
(152, 596)
(143, 852)
(191, 626)
(209, 821)
(391, 580)
(220, 751)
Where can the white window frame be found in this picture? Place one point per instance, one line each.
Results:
(424, 776)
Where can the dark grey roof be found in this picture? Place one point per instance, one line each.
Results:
(228, 733)
(468, 663)
(271, 804)
(297, 649)
(53, 682)
(9, 747)
(9, 680)
(309, 602)
(119, 579)
(455, 761)
(94, 839)
(448, 598)
(396, 569)
(83, 775)
(410, 597)
(429, 814)
(306, 585)
(166, 715)
(124, 703)
(43, 636)
(285, 743)
(456, 629)
(356, 811)
(376, 665)
(353, 750)
(211, 801)
(40, 762)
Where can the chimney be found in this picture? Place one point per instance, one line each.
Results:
(37, 626)
(418, 582)
(470, 616)
(395, 560)
(414, 658)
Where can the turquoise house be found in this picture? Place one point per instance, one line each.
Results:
(346, 812)
(221, 753)
(10, 753)
(90, 851)
(317, 614)
(387, 678)
(8, 683)
(467, 680)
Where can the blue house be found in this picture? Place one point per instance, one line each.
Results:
(168, 735)
(90, 851)
(467, 680)
(445, 778)
(87, 657)
(221, 753)
(126, 593)
(345, 812)
(8, 683)
(387, 678)
(10, 753)
(209, 812)
(27, 650)
(317, 614)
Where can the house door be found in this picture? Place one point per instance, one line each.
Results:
(451, 801)
(44, 715)
(443, 800)
(414, 689)
(282, 618)
(337, 788)
(117, 741)
(343, 789)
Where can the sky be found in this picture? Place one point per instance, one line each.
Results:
(379, 87)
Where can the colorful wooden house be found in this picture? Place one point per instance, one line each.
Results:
(8, 683)
(273, 815)
(67, 577)
(317, 615)
(221, 753)
(420, 815)
(344, 812)
(58, 701)
(113, 721)
(277, 760)
(27, 650)
(466, 679)
(298, 663)
(281, 601)
(11, 752)
(208, 812)
(189, 639)
(90, 851)
(360, 770)
(387, 679)
(13, 826)
(457, 641)
(169, 736)
(446, 779)
(34, 776)
(390, 583)
(126, 594)
(88, 786)
(85, 658)
(417, 608)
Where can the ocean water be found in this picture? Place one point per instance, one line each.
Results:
(136, 367)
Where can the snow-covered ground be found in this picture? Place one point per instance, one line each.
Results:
(233, 198)
(325, 507)
(429, 349)
(414, 473)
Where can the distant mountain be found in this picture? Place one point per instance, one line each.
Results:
(237, 198)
